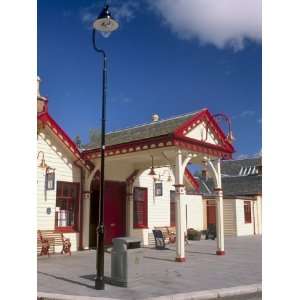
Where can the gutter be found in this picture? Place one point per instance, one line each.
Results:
(80, 203)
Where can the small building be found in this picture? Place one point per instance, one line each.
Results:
(242, 188)
(146, 178)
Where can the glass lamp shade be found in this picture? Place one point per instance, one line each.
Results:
(152, 173)
(105, 23)
(43, 164)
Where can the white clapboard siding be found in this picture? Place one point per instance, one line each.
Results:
(58, 157)
(229, 217)
(159, 206)
(241, 227)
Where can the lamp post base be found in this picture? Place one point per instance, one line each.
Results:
(99, 284)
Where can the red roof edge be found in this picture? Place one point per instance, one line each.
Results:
(60, 133)
(192, 179)
(202, 115)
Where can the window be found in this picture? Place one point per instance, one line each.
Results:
(67, 201)
(172, 208)
(158, 189)
(140, 207)
(247, 211)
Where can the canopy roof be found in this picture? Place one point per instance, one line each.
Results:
(145, 131)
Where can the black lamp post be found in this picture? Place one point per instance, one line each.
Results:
(105, 24)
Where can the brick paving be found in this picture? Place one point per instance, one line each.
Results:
(203, 270)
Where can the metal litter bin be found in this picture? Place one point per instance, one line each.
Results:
(126, 261)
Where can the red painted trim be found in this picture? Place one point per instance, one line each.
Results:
(131, 147)
(167, 140)
(197, 146)
(209, 147)
(45, 117)
(62, 135)
(145, 208)
(180, 259)
(191, 179)
(75, 227)
(220, 252)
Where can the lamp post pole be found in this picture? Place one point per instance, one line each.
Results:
(99, 281)
(105, 24)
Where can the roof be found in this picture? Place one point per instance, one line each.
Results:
(145, 131)
(234, 186)
(45, 118)
(233, 167)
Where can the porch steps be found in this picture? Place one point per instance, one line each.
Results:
(151, 241)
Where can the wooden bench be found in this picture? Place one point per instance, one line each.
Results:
(49, 239)
(169, 234)
(43, 245)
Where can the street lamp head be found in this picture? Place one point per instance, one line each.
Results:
(105, 23)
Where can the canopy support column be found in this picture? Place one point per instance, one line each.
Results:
(180, 165)
(215, 167)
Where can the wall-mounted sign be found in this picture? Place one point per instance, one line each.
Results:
(158, 189)
(50, 180)
(48, 210)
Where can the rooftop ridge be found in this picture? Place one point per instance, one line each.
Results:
(239, 159)
(157, 122)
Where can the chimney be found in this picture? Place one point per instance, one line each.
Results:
(38, 86)
(42, 104)
(155, 118)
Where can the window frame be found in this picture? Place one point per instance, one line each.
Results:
(68, 185)
(158, 188)
(145, 208)
(247, 212)
(172, 207)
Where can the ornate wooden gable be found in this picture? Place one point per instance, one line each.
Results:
(202, 127)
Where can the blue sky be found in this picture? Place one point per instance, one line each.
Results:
(159, 62)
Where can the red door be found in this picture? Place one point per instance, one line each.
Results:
(114, 210)
(211, 213)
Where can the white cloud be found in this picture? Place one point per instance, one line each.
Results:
(121, 11)
(244, 114)
(245, 156)
(223, 23)
(125, 11)
(247, 113)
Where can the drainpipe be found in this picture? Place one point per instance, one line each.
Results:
(254, 229)
(80, 203)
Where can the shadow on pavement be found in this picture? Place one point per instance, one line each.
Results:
(68, 280)
(163, 259)
(92, 277)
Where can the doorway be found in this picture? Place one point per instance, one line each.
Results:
(114, 210)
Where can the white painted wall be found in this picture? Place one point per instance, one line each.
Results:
(57, 157)
(229, 217)
(199, 133)
(258, 215)
(195, 218)
(159, 206)
(241, 227)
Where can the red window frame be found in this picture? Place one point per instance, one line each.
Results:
(247, 212)
(140, 207)
(172, 208)
(68, 192)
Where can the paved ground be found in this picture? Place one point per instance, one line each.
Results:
(256, 296)
(203, 270)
